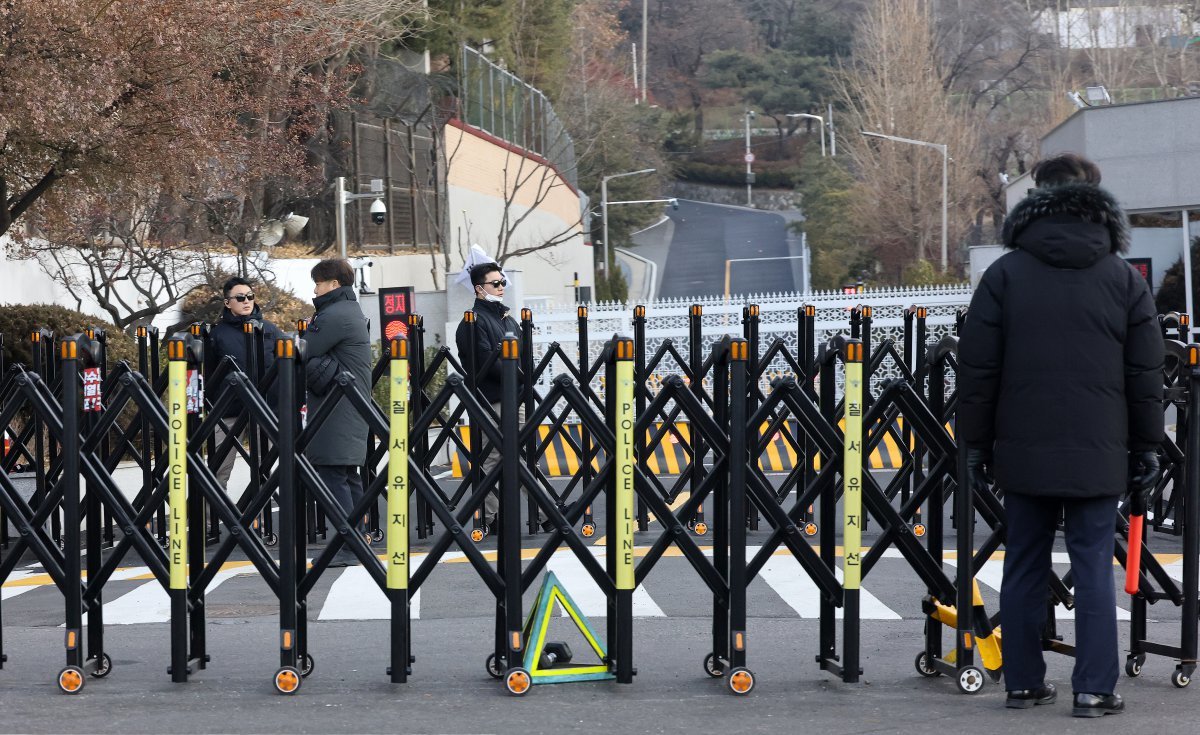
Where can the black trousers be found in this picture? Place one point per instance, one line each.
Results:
(345, 484)
(1090, 527)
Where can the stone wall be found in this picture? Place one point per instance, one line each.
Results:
(772, 199)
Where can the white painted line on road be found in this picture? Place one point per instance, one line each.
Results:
(10, 592)
(587, 594)
(149, 603)
(662, 221)
(789, 580)
(992, 575)
(355, 596)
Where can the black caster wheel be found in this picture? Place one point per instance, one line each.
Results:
(271, 539)
(307, 664)
(1133, 666)
(518, 681)
(741, 680)
(103, 666)
(71, 680)
(377, 535)
(713, 667)
(1180, 679)
(970, 680)
(287, 680)
(924, 665)
(493, 666)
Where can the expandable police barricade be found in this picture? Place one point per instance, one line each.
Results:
(722, 406)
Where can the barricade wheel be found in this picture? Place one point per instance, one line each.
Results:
(71, 680)
(517, 681)
(810, 529)
(924, 665)
(589, 530)
(1180, 679)
(1133, 666)
(287, 680)
(700, 528)
(377, 535)
(307, 664)
(271, 539)
(713, 667)
(103, 666)
(741, 680)
(493, 666)
(970, 680)
(477, 534)
(919, 530)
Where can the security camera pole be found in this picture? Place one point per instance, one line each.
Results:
(343, 197)
(749, 162)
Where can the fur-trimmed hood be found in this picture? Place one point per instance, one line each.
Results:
(1072, 212)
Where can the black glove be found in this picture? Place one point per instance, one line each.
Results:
(979, 468)
(1143, 476)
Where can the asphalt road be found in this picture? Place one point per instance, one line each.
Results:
(450, 693)
(707, 235)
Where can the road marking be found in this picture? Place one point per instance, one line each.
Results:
(355, 596)
(992, 575)
(588, 595)
(789, 580)
(149, 602)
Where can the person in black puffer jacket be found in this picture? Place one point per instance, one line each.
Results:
(492, 322)
(227, 338)
(1060, 394)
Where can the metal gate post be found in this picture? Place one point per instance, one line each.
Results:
(71, 678)
(288, 678)
(397, 510)
(827, 645)
(937, 500)
(1191, 523)
(201, 528)
(508, 556)
(621, 522)
(420, 444)
(641, 441)
(751, 318)
(585, 438)
(739, 435)
(529, 451)
(696, 368)
(721, 506)
(177, 501)
(852, 509)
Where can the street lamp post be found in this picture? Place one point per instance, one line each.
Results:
(604, 212)
(819, 119)
(945, 169)
(343, 197)
(749, 161)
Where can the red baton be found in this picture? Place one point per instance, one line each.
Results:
(1133, 561)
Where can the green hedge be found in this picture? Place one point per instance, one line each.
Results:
(728, 175)
(17, 322)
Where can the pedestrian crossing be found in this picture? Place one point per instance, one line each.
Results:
(891, 591)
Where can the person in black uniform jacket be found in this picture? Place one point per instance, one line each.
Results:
(492, 322)
(227, 339)
(1060, 395)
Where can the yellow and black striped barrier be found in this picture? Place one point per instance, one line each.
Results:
(670, 456)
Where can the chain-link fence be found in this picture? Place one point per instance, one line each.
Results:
(499, 103)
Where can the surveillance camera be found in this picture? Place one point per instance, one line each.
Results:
(674, 203)
(378, 212)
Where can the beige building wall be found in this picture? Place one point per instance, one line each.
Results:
(485, 177)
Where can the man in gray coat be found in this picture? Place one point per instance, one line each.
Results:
(338, 341)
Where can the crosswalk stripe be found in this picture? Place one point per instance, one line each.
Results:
(793, 585)
(587, 594)
(992, 575)
(150, 603)
(355, 596)
(7, 592)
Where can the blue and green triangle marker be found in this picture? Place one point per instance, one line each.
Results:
(537, 625)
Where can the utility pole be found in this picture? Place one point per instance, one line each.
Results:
(749, 162)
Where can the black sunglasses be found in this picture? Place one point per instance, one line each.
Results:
(241, 297)
(496, 284)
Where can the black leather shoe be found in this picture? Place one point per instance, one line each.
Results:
(1097, 705)
(1026, 698)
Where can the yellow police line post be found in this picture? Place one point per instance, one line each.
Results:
(177, 486)
(852, 507)
(397, 509)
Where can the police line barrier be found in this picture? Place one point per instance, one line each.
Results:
(716, 395)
